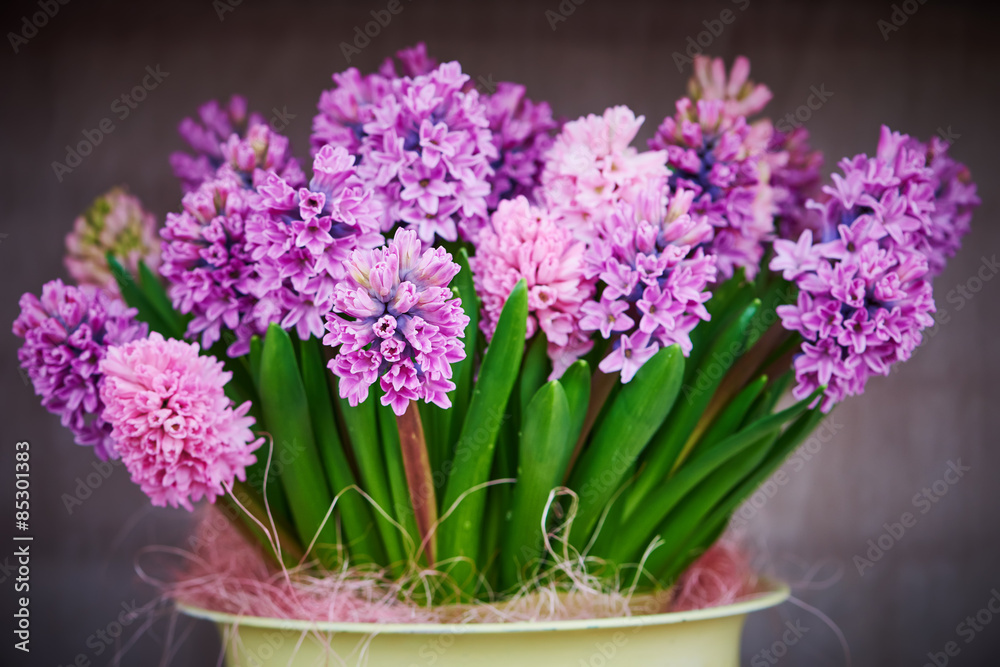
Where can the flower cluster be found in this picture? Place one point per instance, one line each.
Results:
(426, 151)
(395, 321)
(117, 223)
(654, 278)
(864, 295)
(954, 201)
(795, 179)
(344, 109)
(217, 124)
(740, 96)
(591, 169)
(176, 431)
(719, 157)
(524, 243)
(301, 239)
(262, 150)
(66, 334)
(207, 266)
(521, 134)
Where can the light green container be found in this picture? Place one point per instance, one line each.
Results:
(702, 638)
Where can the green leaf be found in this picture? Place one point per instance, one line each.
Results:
(158, 299)
(363, 544)
(729, 420)
(632, 419)
(462, 371)
(286, 411)
(576, 384)
(402, 507)
(535, 369)
(542, 459)
(135, 298)
(659, 506)
(361, 427)
(668, 443)
(256, 349)
(459, 537)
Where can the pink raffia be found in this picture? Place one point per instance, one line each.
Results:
(721, 576)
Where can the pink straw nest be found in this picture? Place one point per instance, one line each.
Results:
(223, 572)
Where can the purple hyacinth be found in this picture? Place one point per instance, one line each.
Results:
(395, 321)
(864, 293)
(522, 133)
(301, 239)
(954, 201)
(206, 135)
(719, 157)
(344, 109)
(795, 179)
(259, 152)
(207, 266)
(652, 275)
(66, 334)
(424, 147)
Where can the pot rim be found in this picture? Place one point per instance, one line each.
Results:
(774, 594)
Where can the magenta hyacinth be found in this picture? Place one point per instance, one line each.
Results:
(654, 278)
(205, 136)
(260, 152)
(954, 201)
(395, 321)
(207, 266)
(177, 433)
(522, 133)
(864, 293)
(795, 179)
(301, 239)
(592, 168)
(523, 242)
(66, 335)
(719, 158)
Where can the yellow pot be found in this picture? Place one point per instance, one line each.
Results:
(702, 638)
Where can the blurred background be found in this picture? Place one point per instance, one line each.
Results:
(923, 69)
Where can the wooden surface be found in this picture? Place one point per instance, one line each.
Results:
(939, 70)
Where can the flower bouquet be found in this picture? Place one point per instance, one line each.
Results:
(481, 363)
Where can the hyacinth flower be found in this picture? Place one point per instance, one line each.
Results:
(954, 201)
(864, 289)
(522, 133)
(66, 335)
(653, 278)
(214, 125)
(176, 431)
(117, 223)
(523, 243)
(300, 240)
(592, 167)
(719, 158)
(207, 266)
(739, 95)
(345, 108)
(395, 321)
(260, 151)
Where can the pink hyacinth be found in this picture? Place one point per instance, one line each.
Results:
(524, 243)
(300, 240)
(395, 321)
(720, 158)
(176, 431)
(215, 124)
(592, 168)
(66, 334)
(260, 151)
(864, 293)
(740, 96)
(117, 223)
(654, 278)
